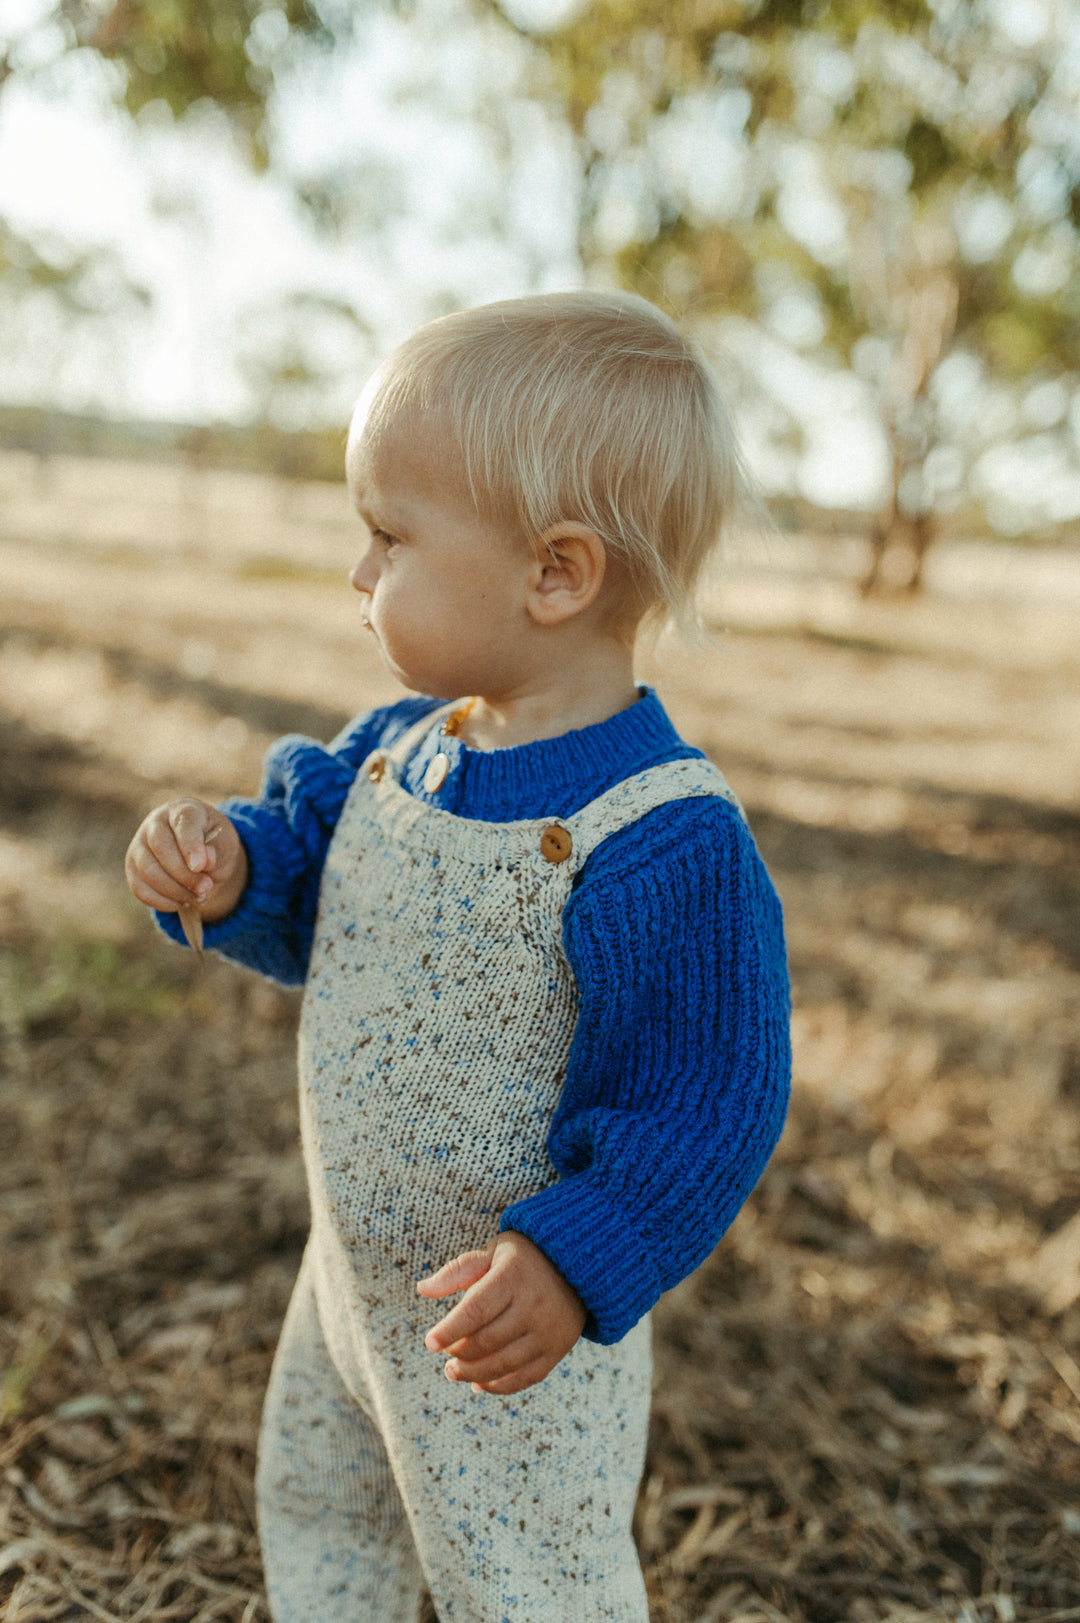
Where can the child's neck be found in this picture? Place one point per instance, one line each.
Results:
(545, 706)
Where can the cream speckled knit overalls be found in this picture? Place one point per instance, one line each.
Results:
(437, 1021)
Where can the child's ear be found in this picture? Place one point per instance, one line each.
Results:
(566, 574)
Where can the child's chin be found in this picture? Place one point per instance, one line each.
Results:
(432, 686)
(418, 684)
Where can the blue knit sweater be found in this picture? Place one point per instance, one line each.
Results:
(678, 1076)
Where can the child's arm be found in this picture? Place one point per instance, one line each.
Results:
(518, 1316)
(676, 1085)
(674, 1097)
(187, 852)
(283, 834)
(678, 1076)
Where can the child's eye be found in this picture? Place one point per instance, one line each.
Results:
(384, 538)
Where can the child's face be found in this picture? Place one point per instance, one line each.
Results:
(446, 589)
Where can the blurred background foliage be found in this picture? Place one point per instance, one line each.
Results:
(943, 159)
(887, 194)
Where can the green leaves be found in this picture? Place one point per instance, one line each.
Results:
(903, 163)
(929, 153)
(181, 52)
(883, 149)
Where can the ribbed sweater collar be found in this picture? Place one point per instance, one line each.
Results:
(552, 776)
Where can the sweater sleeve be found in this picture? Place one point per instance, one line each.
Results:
(679, 1072)
(286, 832)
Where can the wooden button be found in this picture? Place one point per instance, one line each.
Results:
(555, 843)
(376, 769)
(435, 776)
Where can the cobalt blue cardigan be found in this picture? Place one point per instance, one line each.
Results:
(678, 1077)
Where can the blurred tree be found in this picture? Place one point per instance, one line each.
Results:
(181, 52)
(292, 346)
(895, 187)
(57, 301)
(176, 52)
(892, 189)
(419, 217)
(294, 351)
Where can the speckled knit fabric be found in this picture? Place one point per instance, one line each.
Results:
(438, 1018)
(677, 1078)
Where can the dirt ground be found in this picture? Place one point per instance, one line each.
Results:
(868, 1400)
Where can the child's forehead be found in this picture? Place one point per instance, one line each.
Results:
(398, 468)
(407, 445)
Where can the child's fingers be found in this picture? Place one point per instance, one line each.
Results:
(161, 855)
(151, 884)
(457, 1274)
(491, 1337)
(156, 842)
(502, 1386)
(480, 1305)
(172, 862)
(516, 1355)
(191, 821)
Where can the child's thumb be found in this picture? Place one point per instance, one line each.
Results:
(193, 825)
(457, 1274)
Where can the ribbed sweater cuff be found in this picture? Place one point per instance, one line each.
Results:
(594, 1248)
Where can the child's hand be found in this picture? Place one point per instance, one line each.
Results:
(187, 852)
(518, 1316)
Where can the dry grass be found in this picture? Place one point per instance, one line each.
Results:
(868, 1401)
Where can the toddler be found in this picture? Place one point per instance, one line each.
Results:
(544, 1041)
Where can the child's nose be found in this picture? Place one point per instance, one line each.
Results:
(364, 575)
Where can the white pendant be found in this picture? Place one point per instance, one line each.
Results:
(435, 776)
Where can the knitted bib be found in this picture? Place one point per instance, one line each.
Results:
(438, 1016)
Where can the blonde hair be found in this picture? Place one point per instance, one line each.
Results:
(587, 406)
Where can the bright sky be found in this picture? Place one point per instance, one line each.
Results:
(457, 207)
(217, 245)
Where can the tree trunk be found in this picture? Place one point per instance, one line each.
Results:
(899, 544)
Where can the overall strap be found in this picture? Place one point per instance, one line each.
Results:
(400, 751)
(628, 801)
